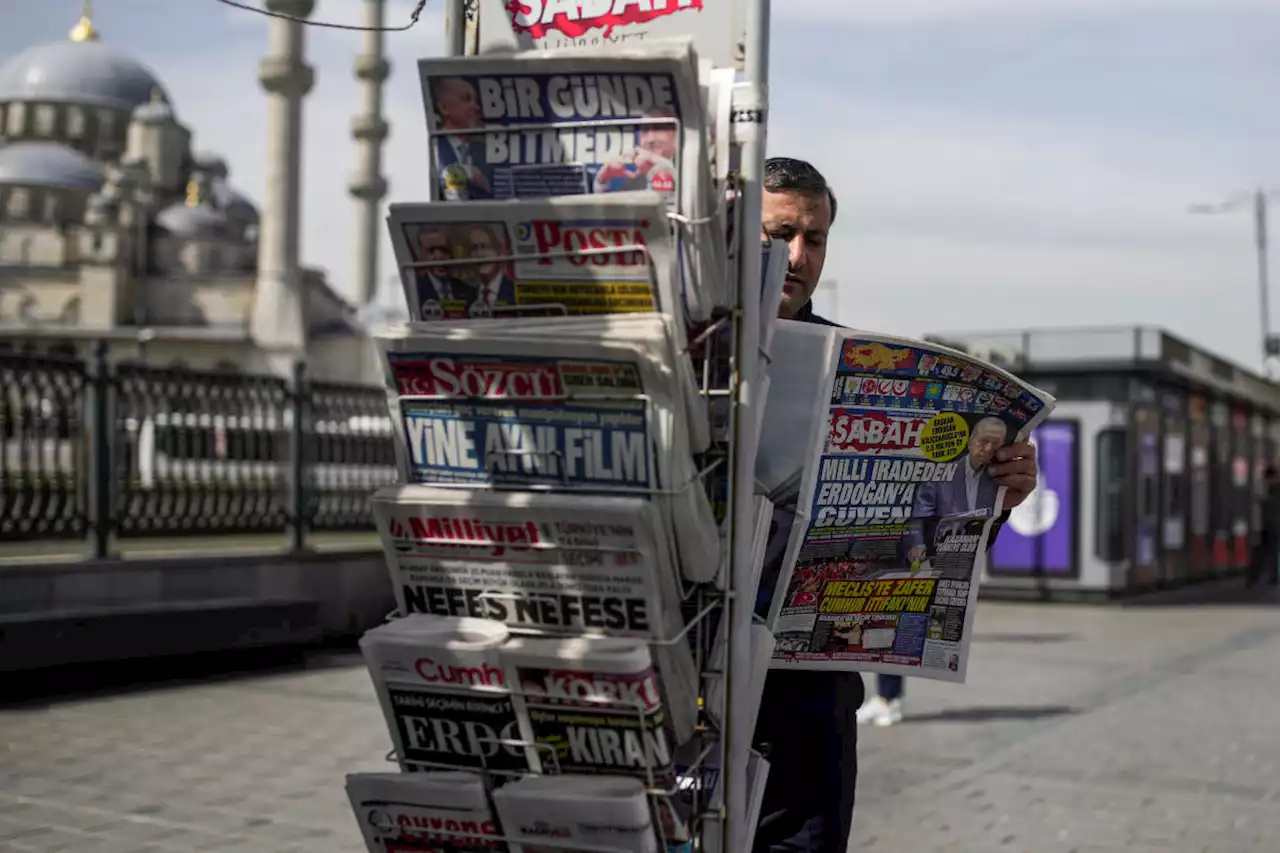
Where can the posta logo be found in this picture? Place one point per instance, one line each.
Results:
(564, 237)
(868, 431)
(574, 18)
(445, 377)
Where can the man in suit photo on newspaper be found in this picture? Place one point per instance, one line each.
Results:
(970, 491)
(460, 157)
(807, 727)
(440, 290)
(494, 285)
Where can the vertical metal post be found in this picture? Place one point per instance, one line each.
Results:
(751, 133)
(100, 432)
(299, 504)
(455, 27)
(1264, 298)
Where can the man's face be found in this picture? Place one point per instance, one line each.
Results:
(434, 246)
(983, 445)
(659, 139)
(802, 221)
(456, 101)
(484, 246)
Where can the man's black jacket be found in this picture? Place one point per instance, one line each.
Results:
(808, 731)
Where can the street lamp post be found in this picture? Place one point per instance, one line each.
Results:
(1258, 199)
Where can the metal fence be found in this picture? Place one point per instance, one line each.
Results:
(103, 454)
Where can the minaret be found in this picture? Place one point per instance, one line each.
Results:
(369, 130)
(279, 323)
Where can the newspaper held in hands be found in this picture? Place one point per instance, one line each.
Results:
(423, 812)
(546, 124)
(896, 505)
(444, 694)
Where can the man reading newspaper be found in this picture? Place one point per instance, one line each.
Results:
(807, 728)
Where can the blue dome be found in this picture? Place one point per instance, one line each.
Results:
(198, 220)
(48, 164)
(77, 72)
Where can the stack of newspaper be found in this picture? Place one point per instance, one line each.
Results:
(554, 517)
(551, 124)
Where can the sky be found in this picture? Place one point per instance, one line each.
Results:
(1000, 164)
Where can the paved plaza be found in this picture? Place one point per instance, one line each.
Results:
(1080, 729)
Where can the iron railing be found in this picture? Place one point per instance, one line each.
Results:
(102, 453)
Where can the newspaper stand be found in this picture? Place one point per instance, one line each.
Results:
(726, 605)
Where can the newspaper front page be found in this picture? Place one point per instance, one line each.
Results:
(600, 416)
(896, 506)
(423, 812)
(560, 565)
(717, 26)
(545, 124)
(548, 124)
(572, 256)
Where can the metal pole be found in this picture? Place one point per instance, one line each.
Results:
(750, 130)
(1260, 243)
(455, 27)
(299, 503)
(101, 433)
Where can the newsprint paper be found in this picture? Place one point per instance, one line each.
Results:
(715, 25)
(423, 812)
(608, 416)
(896, 506)
(545, 124)
(557, 564)
(580, 255)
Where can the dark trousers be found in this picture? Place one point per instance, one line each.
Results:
(889, 687)
(808, 731)
(1262, 566)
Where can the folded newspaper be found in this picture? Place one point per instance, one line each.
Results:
(443, 694)
(541, 124)
(594, 706)
(558, 564)
(554, 406)
(882, 445)
(609, 254)
(545, 814)
(399, 813)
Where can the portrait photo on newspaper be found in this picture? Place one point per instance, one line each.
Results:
(525, 135)
(449, 291)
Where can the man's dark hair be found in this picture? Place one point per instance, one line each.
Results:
(786, 174)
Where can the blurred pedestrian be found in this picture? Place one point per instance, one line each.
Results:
(1267, 550)
(884, 707)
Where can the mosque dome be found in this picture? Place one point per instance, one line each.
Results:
(234, 203)
(201, 221)
(80, 72)
(48, 164)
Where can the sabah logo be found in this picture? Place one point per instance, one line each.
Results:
(575, 18)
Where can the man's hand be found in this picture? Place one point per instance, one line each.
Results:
(1015, 469)
(917, 552)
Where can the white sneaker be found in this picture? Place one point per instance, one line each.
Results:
(879, 712)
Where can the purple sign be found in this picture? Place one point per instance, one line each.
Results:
(1039, 535)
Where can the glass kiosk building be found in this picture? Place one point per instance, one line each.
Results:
(1150, 467)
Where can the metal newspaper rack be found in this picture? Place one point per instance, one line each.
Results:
(734, 602)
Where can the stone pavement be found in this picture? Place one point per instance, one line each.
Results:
(1080, 729)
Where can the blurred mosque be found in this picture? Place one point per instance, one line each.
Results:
(112, 229)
